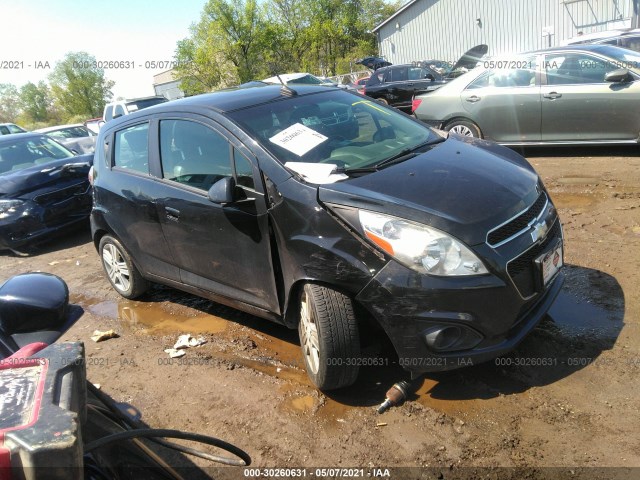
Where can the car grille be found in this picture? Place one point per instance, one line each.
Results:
(522, 269)
(512, 228)
(51, 198)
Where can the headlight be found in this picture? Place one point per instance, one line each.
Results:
(424, 249)
(8, 206)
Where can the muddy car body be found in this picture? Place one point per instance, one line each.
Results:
(330, 213)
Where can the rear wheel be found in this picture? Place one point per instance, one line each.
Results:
(382, 101)
(465, 128)
(329, 337)
(122, 273)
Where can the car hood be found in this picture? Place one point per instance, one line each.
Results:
(470, 58)
(41, 176)
(462, 186)
(373, 63)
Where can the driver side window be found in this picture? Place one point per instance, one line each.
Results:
(193, 154)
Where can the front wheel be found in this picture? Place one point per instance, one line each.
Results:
(122, 273)
(329, 337)
(465, 128)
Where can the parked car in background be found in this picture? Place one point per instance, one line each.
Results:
(9, 128)
(76, 137)
(125, 107)
(625, 38)
(301, 78)
(563, 95)
(373, 63)
(330, 213)
(44, 188)
(396, 85)
(94, 124)
(359, 84)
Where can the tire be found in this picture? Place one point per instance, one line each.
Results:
(466, 128)
(329, 337)
(382, 101)
(121, 272)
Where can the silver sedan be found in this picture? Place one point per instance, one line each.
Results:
(586, 94)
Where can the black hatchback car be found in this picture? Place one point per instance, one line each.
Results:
(43, 189)
(330, 213)
(396, 85)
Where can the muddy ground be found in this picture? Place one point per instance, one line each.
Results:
(567, 397)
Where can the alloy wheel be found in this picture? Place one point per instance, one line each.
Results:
(309, 334)
(116, 267)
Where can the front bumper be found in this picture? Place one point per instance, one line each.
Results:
(489, 308)
(32, 221)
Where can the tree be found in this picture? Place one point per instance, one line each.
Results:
(239, 40)
(9, 102)
(79, 87)
(36, 101)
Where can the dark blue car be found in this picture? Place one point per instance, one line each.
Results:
(44, 188)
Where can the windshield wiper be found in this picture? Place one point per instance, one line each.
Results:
(402, 156)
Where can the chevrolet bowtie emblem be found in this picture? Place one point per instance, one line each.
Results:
(539, 231)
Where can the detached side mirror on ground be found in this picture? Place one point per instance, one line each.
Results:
(620, 75)
(223, 191)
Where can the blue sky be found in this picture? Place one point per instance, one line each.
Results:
(39, 31)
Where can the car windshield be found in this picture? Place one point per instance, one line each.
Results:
(15, 129)
(71, 132)
(333, 127)
(24, 153)
(306, 80)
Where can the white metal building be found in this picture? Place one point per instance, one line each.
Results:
(445, 29)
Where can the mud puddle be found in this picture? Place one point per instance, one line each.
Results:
(274, 350)
(574, 316)
(579, 180)
(573, 200)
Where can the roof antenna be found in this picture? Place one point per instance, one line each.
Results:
(285, 89)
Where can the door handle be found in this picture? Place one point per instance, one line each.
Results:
(473, 99)
(172, 213)
(552, 95)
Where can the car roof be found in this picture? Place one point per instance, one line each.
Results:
(15, 136)
(586, 47)
(596, 36)
(230, 99)
(58, 127)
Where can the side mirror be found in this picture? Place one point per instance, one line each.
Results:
(620, 75)
(428, 76)
(223, 191)
(31, 302)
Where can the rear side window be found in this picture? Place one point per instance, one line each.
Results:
(417, 73)
(397, 75)
(131, 150)
(632, 43)
(193, 154)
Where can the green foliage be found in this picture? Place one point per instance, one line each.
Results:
(9, 103)
(36, 102)
(238, 40)
(78, 87)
